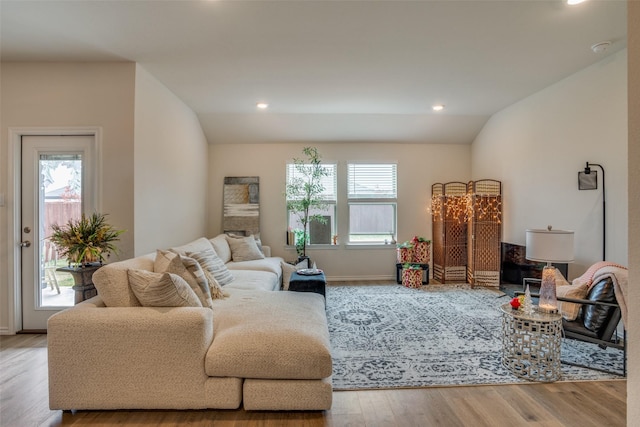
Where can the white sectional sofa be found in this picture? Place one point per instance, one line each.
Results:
(256, 346)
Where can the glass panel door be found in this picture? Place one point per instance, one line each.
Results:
(56, 173)
(61, 195)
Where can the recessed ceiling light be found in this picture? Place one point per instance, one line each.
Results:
(262, 105)
(600, 47)
(438, 107)
(574, 2)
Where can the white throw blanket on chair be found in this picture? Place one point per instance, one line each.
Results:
(619, 277)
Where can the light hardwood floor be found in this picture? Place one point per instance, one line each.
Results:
(24, 403)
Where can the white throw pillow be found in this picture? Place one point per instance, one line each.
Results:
(161, 289)
(288, 269)
(221, 246)
(244, 248)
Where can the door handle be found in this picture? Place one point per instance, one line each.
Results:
(25, 244)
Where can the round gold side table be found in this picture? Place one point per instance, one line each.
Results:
(531, 344)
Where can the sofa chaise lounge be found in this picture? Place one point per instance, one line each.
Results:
(257, 346)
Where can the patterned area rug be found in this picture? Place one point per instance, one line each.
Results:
(389, 336)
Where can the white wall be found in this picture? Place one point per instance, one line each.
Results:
(170, 168)
(419, 166)
(153, 157)
(71, 95)
(537, 146)
(633, 381)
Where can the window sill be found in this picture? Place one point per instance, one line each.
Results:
(370, 246)
(323, 247)
(313, 247)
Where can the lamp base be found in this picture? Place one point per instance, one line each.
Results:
(548, 310)
(548, 302)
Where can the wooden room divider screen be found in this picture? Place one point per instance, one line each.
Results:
(467, 231)
(484, 232)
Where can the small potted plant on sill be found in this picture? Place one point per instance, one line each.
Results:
(86, 240)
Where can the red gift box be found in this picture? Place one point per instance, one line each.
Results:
(405, 255)
(411, 278)
(421, 252)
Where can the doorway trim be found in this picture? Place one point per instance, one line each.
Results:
(14, 183)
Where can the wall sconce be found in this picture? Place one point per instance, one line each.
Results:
(588, 180)
(549, 246)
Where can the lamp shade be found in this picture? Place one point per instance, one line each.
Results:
(549, 245)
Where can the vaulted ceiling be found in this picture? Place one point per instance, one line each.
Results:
(331, 71)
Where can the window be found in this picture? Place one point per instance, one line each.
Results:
(319, 233)
(372, 198)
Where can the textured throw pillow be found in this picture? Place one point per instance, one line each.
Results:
(256, 237)
(161, 289)
(288, 269)
(189, 270)
(203, 283)
(570, 310)
(244, 248)
(211, 262)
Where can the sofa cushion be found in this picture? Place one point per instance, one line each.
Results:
(221, 246)
(112, 282)
(254, 280)
(188, 269)
(210, 262)
(244, 248)
(162, 289)
(270, 264)
(570, 310)
(287, 395)
(269, 335)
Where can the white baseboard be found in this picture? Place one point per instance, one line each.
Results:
(359, 278)
(4, 330)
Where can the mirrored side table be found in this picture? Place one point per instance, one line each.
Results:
(531, 344)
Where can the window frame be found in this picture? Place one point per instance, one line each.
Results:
(330, 198)
(388, 198)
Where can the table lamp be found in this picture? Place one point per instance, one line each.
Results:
(549, 246)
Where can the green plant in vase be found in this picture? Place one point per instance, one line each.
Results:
(300, 238)
(303, 193)
(85, 240)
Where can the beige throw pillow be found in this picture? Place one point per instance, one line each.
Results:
(288, 269)
(211, 262)
(560, 280)
(244, 248)
(189, 270)
(570, 310)
(161, 289)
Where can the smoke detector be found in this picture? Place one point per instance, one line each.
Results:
(600, 47)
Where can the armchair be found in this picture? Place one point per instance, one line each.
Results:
(597, 320)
